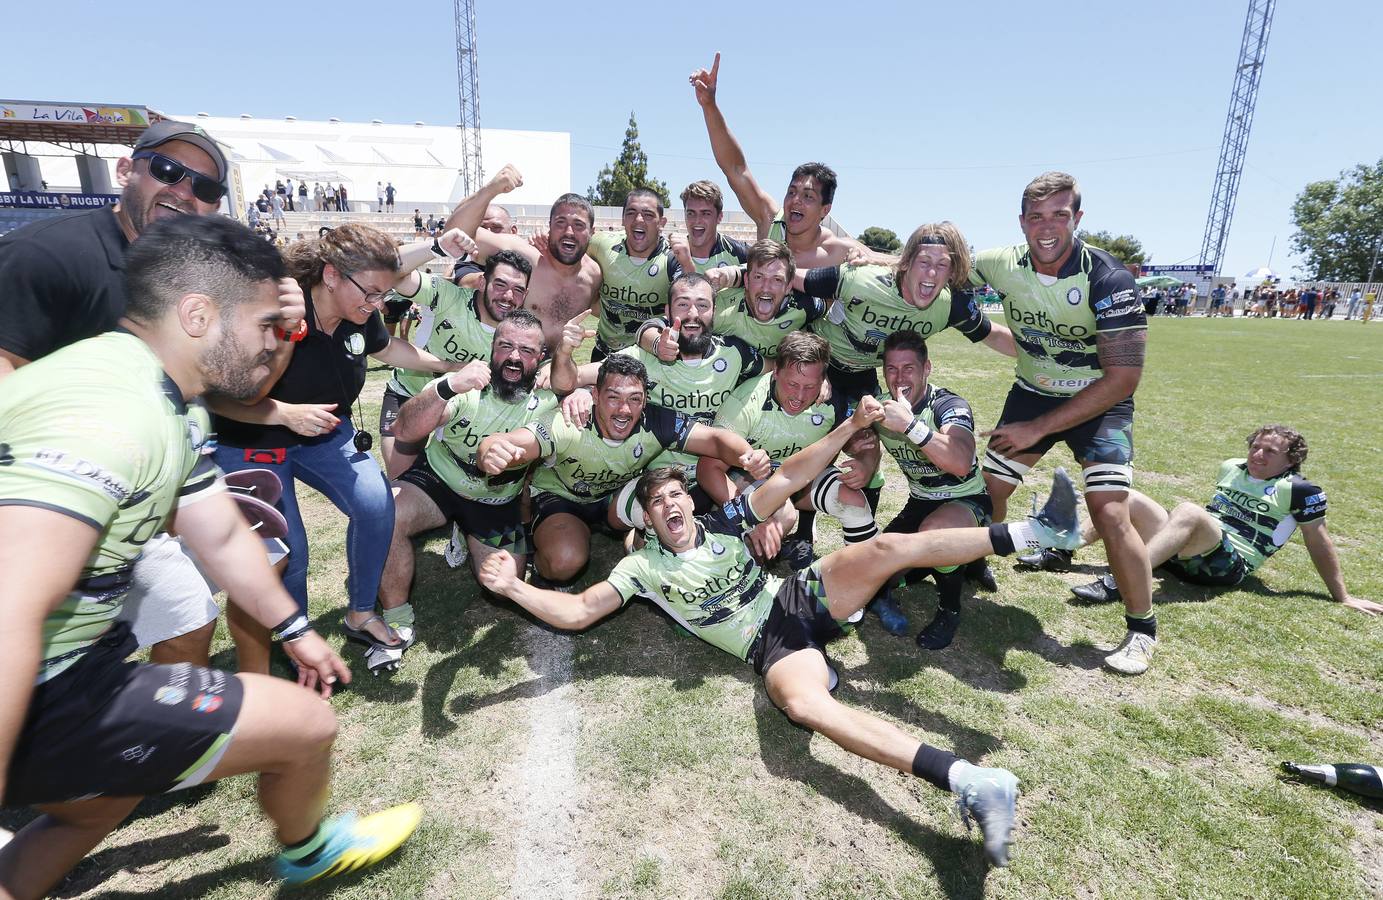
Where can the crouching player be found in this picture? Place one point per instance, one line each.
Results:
(448, 483)
(930, 433)
(700, 571)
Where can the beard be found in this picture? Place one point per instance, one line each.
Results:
(695, 345)
(509, 391)
(555, 248)
(229, 370)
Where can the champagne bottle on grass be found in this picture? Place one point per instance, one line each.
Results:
(1357, 777)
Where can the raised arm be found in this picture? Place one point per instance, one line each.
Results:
(951, 447)
(755, 201)
(1327, 563)
(729, 448)
(570, 612)
(797, 471)
(470, 212)
(510, 450)
(566, 376)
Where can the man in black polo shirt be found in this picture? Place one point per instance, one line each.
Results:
(64, 280)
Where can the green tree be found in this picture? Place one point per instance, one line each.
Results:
(1340, 225)
(1125, 247)
(883, 240)
(629, 171)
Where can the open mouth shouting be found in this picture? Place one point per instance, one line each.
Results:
(676, 523)
(764, 306)
(511, 370)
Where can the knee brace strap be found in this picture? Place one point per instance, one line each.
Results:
(1001, 468)
(1108, 477)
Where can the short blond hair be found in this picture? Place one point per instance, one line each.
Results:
(803, 348)
(939, 233)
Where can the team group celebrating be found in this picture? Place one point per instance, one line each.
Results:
(167, 378)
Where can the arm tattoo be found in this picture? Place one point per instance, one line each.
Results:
(1124, 348)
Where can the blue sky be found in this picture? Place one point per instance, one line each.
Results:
(926, 111)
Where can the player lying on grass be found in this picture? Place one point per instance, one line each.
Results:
(104, 443)
(700, 571)
(1258, 503)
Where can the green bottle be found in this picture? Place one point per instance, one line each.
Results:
(1357, 777)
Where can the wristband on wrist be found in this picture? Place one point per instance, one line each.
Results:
(919, 432)
(437, 248)
(444, 388)
(292, 628)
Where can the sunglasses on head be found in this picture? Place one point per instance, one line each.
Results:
(170, 172)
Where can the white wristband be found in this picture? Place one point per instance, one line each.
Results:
(919, 432)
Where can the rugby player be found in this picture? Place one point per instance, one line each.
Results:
(868, 303)
(1259, 501)
(447, 484)
(457, 324)
(635, 272)
(587, 477)
(797, 221)
(703, 206)
(564, 281)
(930, 433)
(706, 370)
(1080, 332)
(781, 414)
(701, 572)
(754, 303)
(104, 443)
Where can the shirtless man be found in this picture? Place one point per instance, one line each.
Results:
(797, 221)
(565, 280)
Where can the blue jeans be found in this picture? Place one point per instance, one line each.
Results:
(354, 483)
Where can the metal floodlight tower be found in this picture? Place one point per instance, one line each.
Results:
(468, 89)
(1237, 124)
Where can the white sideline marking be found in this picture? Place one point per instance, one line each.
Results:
(1360, 375)
(545, 854)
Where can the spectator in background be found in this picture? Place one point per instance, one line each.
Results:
(431, 226)
(342, 199)
(1309, 298)
(319, 196)
(288, 194)
(389, 196)
(417, 223)
(252, 214)
(379, 195)
(276, 204)
(1356, 298)
(302, 197)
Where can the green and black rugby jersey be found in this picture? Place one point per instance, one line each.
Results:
(697, 387)
(926, 480)
(581, 464)
(631, 290)
(866, 306)
(449, 328)
(1055, 320)
(97, 431)
(753, 412)
(1259, 516)
(715, 590)
(726, 251)
(471, 417)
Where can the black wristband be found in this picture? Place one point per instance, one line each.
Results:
(437, 248)
(292, 628)
(444, 388)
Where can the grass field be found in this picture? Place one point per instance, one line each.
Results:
(633, 761)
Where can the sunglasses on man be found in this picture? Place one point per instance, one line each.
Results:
(170, 172)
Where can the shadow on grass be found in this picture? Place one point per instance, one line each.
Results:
(958, 862)
(988, 630)
(96, 869)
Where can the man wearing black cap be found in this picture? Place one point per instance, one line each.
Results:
(65, 278)
(64, 281)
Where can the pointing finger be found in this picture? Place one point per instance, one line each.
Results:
(715, 66)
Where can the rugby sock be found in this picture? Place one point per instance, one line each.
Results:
(1007, 537)
(806, 520)
(306, 850)
(399, 616)
(934, 765)
(1143, 624)
(950, 581)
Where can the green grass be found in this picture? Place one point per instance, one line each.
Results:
(692, 785)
